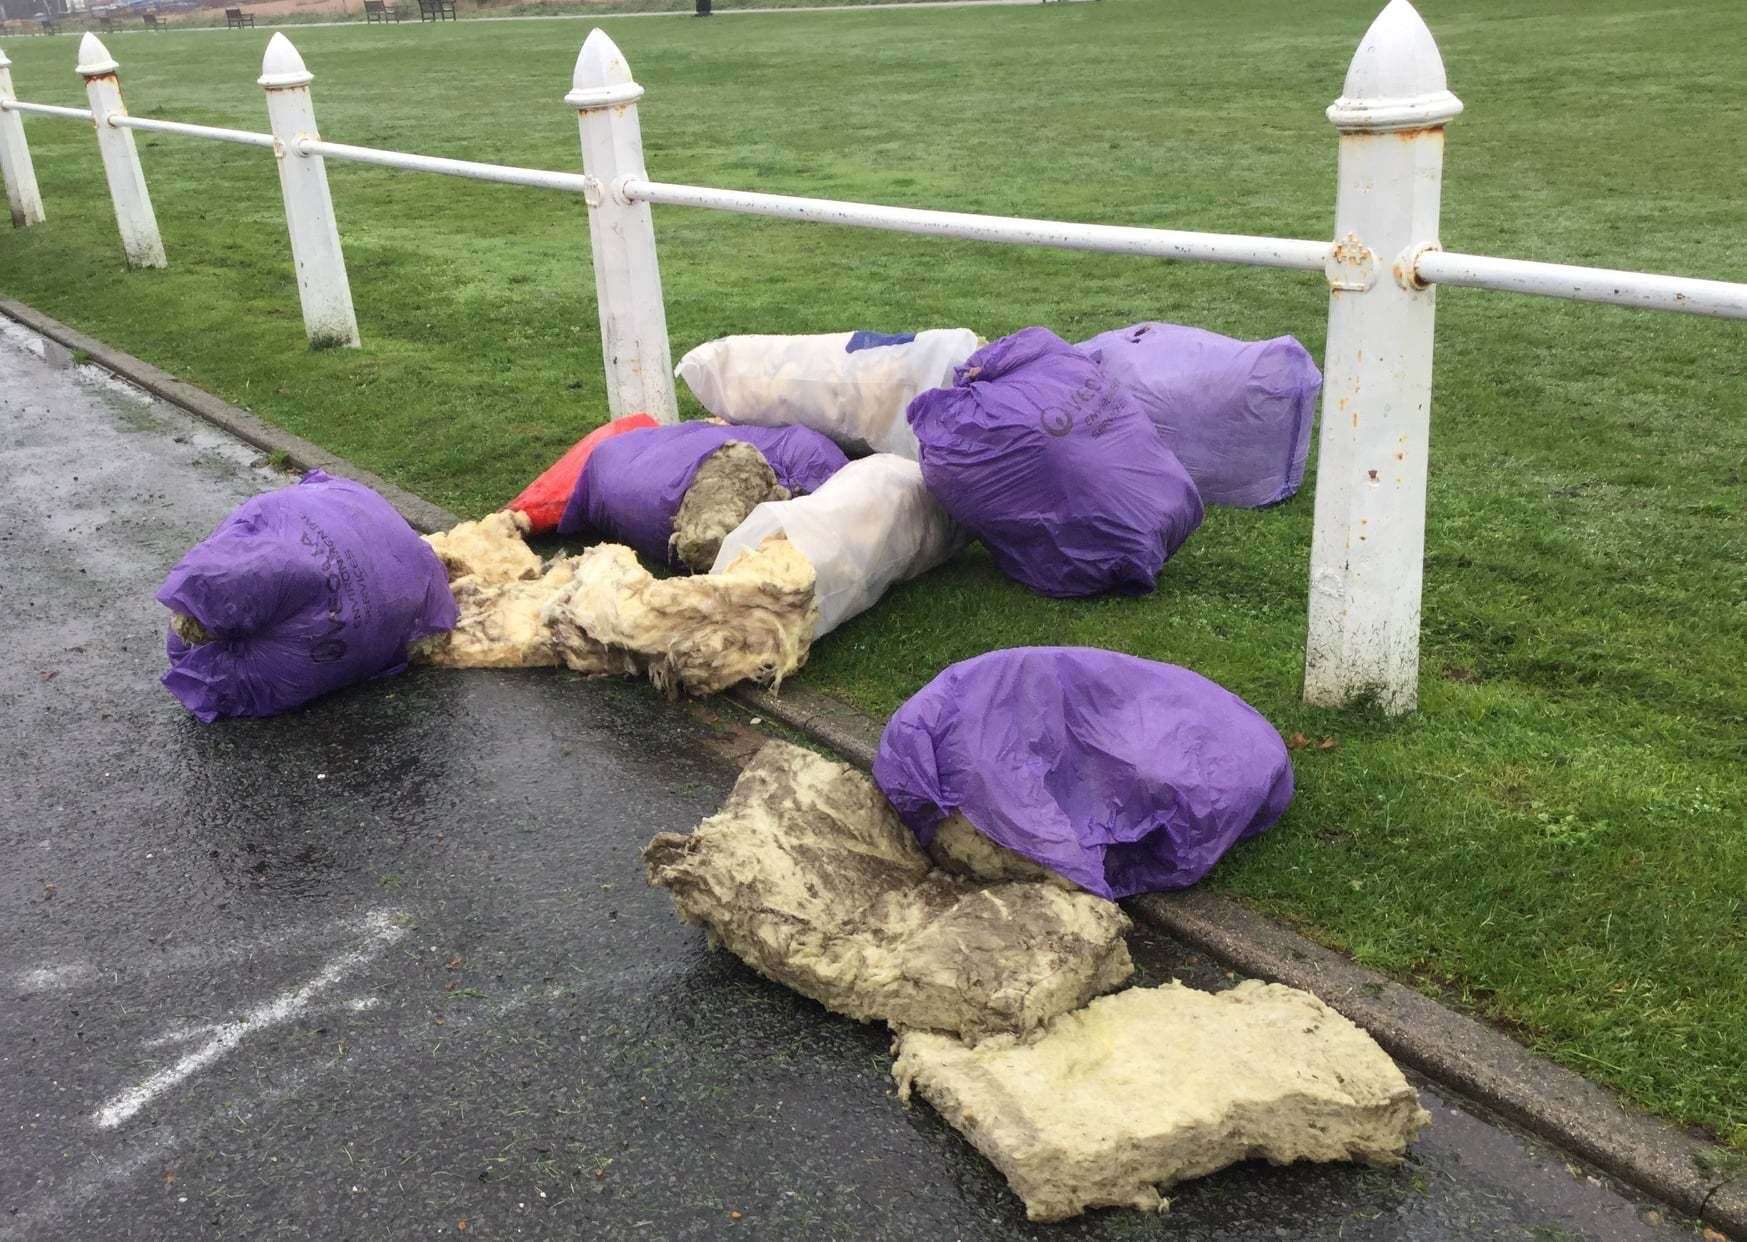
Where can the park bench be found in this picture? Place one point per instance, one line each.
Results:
(152, 22)
(236, 19)
(49, 25)
(436, 10)
(106, 23)
(380, 11)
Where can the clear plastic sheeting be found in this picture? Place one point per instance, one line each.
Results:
(852, 386)
(871, 526)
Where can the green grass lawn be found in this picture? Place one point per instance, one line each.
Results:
(1556, 839)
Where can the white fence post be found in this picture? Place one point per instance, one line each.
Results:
(627, 281)
(121, 159)
(22, 196)
(322, 286)
(1367, 555)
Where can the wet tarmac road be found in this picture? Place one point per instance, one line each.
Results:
(387, 967)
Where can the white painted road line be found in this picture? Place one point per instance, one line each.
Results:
(283, 1008)
(63, 976)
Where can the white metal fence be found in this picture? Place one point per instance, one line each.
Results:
(1382, 268)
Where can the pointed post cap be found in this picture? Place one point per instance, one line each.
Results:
(1396, 80)
(281, 66)
(94, 58)
(603, 77)
(4, 62)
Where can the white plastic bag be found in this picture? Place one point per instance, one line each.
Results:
(856, 396)
(870, 526)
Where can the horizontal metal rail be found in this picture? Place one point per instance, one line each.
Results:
(539, 178)
(1641, 290)
(1306, 256)
(1585, 284)
(72, 114)
(217, 133)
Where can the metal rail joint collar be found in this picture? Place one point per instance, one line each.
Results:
(592, 98)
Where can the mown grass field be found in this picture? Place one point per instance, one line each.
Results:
(1556, 839)
(307, 12)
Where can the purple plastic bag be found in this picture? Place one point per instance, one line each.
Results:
(1237, 413)
(633, 484)
(304, 589)
(1124, 775)
(1054, 468)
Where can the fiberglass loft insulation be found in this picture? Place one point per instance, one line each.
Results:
(731, 483)
(807, 876)
(602, 613)
(993, 989)
(702, 634)
(491, 549)
(503, 625)
(500, 591)
(1151, 1086)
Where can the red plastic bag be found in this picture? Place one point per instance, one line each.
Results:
(544, 499)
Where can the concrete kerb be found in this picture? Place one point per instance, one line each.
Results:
(1448, 1047)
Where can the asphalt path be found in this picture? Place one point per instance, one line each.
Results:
(387, 966)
